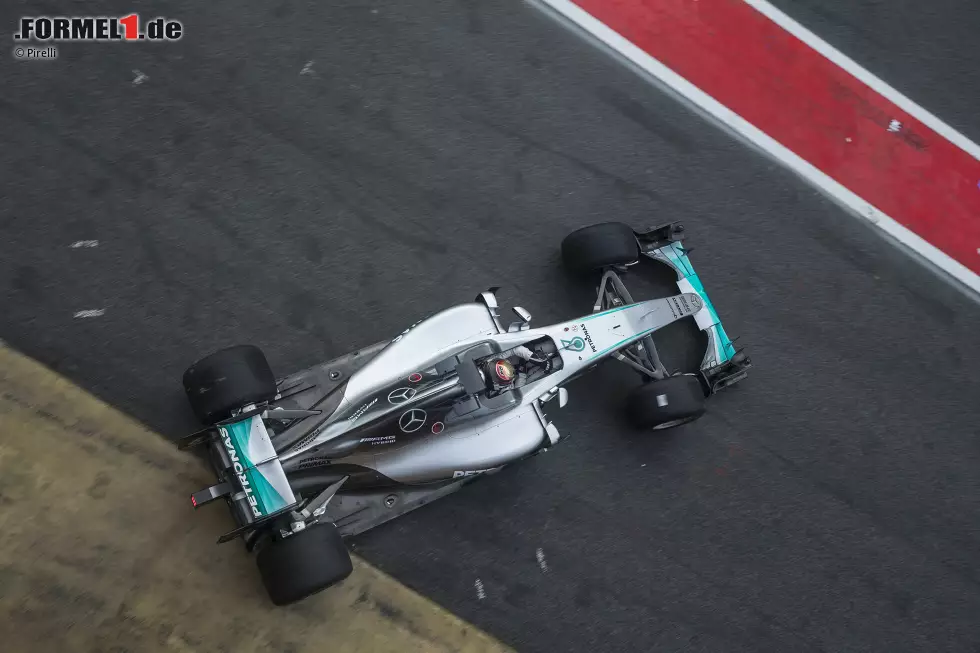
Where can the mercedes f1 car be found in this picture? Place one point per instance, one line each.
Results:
(306, 460)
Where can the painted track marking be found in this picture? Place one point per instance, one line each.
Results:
(92, 312)
(539, 554)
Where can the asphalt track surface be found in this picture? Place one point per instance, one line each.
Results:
(828, 503)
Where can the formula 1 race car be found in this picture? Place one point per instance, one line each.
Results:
(323, 454)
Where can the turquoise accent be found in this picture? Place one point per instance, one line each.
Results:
(677, 257)
(240, 432)
(575, 344)
(267, 498)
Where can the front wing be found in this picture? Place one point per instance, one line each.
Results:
(723, 364)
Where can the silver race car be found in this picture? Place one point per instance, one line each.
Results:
(323, 454)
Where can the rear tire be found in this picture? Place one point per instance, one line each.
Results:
(227, 380)
(667, 403)
(304, 563)
(599, 246)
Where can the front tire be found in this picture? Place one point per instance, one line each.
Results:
(600, 246)
(666, 403)
(304, 563)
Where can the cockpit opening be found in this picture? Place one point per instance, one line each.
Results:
(519, 365)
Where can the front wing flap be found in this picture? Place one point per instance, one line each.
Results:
(723, 364)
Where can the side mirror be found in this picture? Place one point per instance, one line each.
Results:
(561, 393)
(522, 313)
(525, 322)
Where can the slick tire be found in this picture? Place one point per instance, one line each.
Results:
(600, 246)
(303, 564)
(227, 380)
(667, 403)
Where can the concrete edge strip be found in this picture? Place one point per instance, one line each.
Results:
(99, 543)
(715, 110)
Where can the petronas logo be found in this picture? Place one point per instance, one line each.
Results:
(575, 344)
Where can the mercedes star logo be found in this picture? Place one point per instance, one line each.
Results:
(401, 395)
(411, 420)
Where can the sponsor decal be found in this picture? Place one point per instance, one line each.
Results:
(360, 411)
(588, 339)
(415, 377)
(438, 427)
(575, 344)
(381, 439)
(472, 472)
(402, 334)
(240, 472)
(412, 420)
(401, 395)
(681, 305)
(687, 307)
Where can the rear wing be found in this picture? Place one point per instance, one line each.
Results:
(251, 478)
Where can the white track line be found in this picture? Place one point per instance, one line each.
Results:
(784, 155)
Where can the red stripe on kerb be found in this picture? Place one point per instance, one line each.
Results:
(812, 106)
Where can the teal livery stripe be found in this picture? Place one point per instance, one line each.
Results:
(678, 257)
(240, 432)
(267, 498)
(263, 481)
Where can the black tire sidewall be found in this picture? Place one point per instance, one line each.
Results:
(227, 380)
(599, 246)
(683, 398)
(304, 563)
